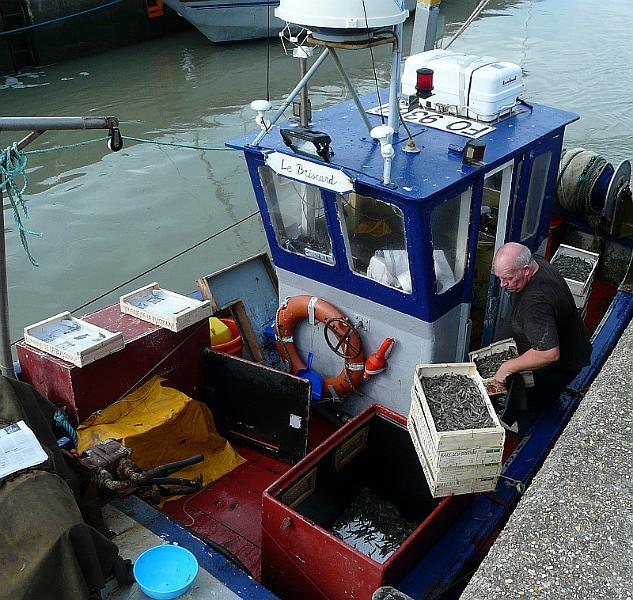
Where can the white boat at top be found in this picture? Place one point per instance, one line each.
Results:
(223, 21)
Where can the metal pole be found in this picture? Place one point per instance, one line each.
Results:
(350, 88)
(292, 96)
(396, 58)
(56, 123)
(427, 13)
(303, 110)
(37, 126)
(6, 358)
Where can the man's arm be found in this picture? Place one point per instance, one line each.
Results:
(528, 361)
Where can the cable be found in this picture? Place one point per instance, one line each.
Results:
(134, 139)
(60, 19)
(268, 53)
(160, 264)
(373, 62)
(468, 21)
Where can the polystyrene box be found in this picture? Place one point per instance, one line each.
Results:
(477, 87)
(162, 307)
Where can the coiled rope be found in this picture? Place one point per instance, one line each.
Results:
(59, 418)
(12, 168)
(580, 170)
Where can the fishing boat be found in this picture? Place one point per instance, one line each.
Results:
(382, 215)
(235, 20)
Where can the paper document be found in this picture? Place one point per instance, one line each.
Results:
(19, 449)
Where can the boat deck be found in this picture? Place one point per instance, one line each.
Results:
(137, 526)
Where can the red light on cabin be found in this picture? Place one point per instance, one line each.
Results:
(424, 82)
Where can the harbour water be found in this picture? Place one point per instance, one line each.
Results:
(108, 217)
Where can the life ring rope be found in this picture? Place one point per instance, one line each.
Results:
(297, 308)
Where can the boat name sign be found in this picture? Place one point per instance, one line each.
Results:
(436, 120)
(309, 172)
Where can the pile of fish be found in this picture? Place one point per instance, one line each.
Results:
(573, 267)
(488, 365)
(372, 526)
(456, 403)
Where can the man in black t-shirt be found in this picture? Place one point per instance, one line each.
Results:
(550, 336)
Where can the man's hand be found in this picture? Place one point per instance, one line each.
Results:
(504, 370)
(528, 361)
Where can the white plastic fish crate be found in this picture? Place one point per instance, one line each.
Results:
(452, 487)
(418, 427)
(464, 439)
(162, 307)
(493, 387)
(73, 340)
(578, 288)
(580, 300)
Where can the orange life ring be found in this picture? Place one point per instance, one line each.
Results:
(296, 309)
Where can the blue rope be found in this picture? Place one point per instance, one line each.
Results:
(12, 166)
(55, 148)
(59, 418)
(60, 19)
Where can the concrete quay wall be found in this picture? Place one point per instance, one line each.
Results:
(571, 534)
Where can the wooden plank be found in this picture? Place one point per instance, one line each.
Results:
(258, 405)
(254, 282)
(249, 337)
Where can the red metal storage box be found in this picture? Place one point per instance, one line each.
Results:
(301, 558)
(97, 385)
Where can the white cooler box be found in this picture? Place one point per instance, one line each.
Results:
(480, 88)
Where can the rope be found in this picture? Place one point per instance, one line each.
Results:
(160, 264)
(468, 21)
(59, 418)
(60, 19)
(64, 147)
(13, 166)
(210, 148)
(580, 169)
(134, 139)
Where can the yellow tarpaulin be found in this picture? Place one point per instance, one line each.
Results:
(162, 425)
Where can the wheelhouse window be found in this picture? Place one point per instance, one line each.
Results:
(298, 216)
(375, 238)
(535, 195)
(449, 232)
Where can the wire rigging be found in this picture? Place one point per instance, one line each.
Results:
(160, 264)
(373, 62)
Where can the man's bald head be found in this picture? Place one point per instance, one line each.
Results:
(514, 266)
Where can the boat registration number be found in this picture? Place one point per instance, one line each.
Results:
(444, 122)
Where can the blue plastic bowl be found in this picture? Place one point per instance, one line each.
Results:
(165, 572)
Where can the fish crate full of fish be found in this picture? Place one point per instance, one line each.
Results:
(450, 400)
(489, 359)
(578, 267)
